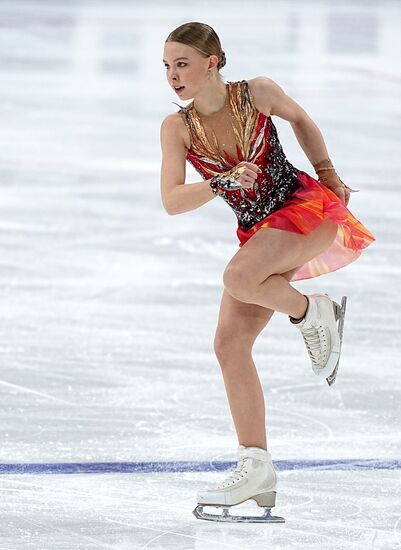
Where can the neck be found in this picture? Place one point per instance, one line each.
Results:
(211, 98)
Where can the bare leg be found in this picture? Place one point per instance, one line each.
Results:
(238, 327)
(255, 273)
(281, 296)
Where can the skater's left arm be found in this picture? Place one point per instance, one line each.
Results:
(276, 102)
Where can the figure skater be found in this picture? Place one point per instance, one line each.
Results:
(291, 226)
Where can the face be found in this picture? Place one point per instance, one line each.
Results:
(186, 67)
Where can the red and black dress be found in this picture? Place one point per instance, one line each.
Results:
(283, 196)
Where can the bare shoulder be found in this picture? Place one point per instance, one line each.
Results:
(263, 83)
(271, 99)
(263, 91)
(173, 125)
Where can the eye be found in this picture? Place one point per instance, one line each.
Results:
(180, 63)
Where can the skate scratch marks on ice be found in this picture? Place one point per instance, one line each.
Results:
(34, 392)
(333, 523)
(396, 533)
(130, 524)
(170, 532)
(70, 533)
(306, 417)
(57, 491)
(295, 387)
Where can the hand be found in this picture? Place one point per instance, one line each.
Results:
(333, 182)
(342, 193)
(248, 173)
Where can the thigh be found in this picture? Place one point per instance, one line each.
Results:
(274, 251)
(240, 321)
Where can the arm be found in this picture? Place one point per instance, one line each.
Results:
(276, 102)
(178, 197)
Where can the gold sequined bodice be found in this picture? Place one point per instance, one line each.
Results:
(239, 132)
(226, 135)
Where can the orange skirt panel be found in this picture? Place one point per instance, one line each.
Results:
(307, 207)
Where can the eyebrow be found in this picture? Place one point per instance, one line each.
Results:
(177, 59)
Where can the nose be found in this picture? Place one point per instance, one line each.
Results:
(172, 77)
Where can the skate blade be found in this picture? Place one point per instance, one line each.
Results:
(340, 316)
(225, 516)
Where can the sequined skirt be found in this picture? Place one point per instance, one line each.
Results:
(307, 207)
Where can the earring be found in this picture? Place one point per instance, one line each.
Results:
(209, 74)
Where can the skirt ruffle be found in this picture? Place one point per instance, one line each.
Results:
(303, 212)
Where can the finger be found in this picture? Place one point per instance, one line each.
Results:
(253, 167)
(247, 183)
(251, 173)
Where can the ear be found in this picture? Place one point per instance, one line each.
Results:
(213, 61)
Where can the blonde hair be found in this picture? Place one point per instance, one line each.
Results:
(201, 37)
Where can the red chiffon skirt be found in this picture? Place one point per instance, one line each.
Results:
(305, 210)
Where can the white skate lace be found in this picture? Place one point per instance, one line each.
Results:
(316, 343)
(239, 472)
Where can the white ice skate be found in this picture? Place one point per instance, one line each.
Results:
(322, 336)
(253, 478)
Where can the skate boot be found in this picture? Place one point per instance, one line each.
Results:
(253, 478)
(322, 336)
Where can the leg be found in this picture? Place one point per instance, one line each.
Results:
(254, 273)
(238, 326)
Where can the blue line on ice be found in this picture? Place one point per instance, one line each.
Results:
(194, 466)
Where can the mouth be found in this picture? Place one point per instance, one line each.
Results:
(178, 89)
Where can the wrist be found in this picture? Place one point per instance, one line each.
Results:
(223, 182)
(326, 173)
(336, 187)
(329, 179)
(324, 165)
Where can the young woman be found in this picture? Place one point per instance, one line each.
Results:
(291, 226)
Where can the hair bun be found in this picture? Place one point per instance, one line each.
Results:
(222, 61)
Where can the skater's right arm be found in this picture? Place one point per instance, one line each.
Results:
(178, 197)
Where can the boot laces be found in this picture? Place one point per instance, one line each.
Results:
(316, 343)
(239, 472)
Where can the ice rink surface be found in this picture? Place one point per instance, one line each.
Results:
(109, 305)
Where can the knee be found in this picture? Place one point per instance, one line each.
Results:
(223, 346)
(238, 282)
(229, 345)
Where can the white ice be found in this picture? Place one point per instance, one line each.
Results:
(109, 305)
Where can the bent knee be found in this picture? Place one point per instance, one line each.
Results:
(238, 282)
